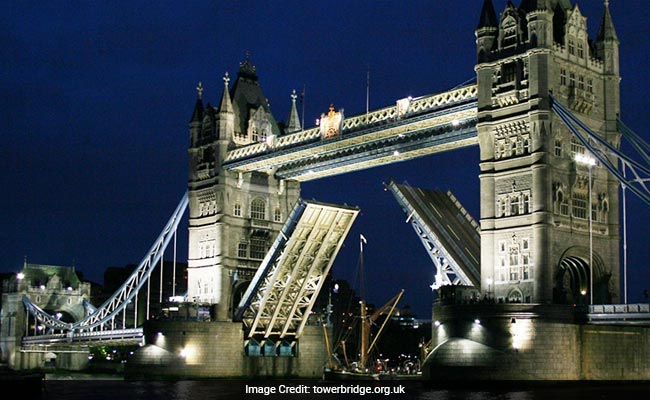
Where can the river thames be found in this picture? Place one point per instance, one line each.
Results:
(116, 389)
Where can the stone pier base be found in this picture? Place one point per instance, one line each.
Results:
(196, 349)
(532, 343)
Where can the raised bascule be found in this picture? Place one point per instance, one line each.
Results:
(537, 279)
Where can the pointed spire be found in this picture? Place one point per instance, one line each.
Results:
(197, 115)
(294, 121)
(607, 31)
(226, 103)
(488, 16)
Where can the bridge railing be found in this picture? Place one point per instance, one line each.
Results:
(413, 106)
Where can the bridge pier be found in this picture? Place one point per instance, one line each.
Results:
(532, 342)
(199, 349)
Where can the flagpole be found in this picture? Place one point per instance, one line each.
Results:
(367, 90)
(302, 100)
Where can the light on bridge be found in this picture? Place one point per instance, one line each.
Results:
(455, 122)
(477, 321)
(437, 323)
(20, 276)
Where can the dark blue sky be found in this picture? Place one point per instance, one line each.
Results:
(96, 99)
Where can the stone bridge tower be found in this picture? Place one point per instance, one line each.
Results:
(234, 217)
(535, 203)
(55, 289)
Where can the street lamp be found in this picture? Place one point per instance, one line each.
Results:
(589, 161)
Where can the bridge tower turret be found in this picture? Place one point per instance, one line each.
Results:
(234, 217)
(535, 207)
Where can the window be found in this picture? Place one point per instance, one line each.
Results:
(581, 82)
(580, 205)
(563, 76)
(590, 85)
(581, 50)
(236, 210)
(277, 215)
(557, 149)
(258, 209)
(242, 250)
(576, 148)
(258, 248)
(514, 205)
(509, 72)
(572, 79)
(572, 47)
(526, 203)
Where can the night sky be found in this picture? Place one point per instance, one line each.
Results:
(97, 96)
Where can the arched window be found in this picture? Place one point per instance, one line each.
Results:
(277, 215)
(258, 208)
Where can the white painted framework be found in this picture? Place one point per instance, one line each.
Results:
(282, 293)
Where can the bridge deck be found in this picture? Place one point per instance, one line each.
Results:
(418, 127)
(448, 232)
(280, 297)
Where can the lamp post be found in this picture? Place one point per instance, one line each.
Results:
(589, 162)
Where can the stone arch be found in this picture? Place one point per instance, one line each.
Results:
(572, 278)
(515, 295)
(238, 290)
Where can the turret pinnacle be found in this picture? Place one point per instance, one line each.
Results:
(488, 16)
(607, 31)
(294, 121)
(197, 115)
(226, 103)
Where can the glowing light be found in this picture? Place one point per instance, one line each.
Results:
(583, 292)
(521, 334)
(58, 315)
(396, 153)
(160, 334)
(477, 321)
(42, 287)
(20, 276)
(585, 159)
(40, 328)
(437, 323)
(455, 122)
(69, 288)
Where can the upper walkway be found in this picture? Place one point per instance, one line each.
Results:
(412, 128)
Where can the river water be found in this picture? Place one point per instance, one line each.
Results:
(114, 389)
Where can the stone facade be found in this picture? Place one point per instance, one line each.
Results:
(233, 217)
(525, 342)
(58, 291)
(535, 200)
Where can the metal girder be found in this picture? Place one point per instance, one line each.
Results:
(280, 297)
(425, 125)
(107, 312)
(449, 234)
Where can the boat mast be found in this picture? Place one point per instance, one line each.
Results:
(365, 323)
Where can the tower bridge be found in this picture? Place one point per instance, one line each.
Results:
(547, 244)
